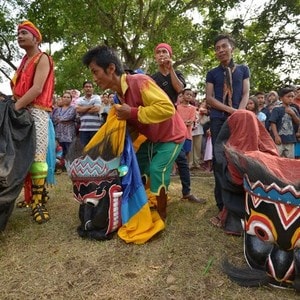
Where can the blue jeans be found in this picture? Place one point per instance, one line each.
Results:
(184, 172)
(215, 127)
(86, 136)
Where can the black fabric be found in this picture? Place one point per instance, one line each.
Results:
(96, 220)
(17, 149)
(233, 195)
(164, 82)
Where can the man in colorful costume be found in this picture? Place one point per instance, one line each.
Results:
(146, 110)
(262, 193)
(32, 87)
(108, 186)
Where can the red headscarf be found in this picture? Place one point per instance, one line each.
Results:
(31, 28)
(165, 46)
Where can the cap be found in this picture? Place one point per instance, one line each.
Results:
(165, 46)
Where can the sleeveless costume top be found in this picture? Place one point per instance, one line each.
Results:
(23, 81)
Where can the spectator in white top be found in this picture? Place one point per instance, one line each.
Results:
(88, 107)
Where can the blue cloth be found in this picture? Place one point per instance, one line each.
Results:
(134, 195)
(267, 112)
(297, 150)
(184, 172)
(51, 154)
(261, 116)
(216, 77)
(187, 146)
(86, 136)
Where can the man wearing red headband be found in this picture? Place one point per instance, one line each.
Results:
(32, 87)
(173, 82)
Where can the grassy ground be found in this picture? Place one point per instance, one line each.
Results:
(51, 261)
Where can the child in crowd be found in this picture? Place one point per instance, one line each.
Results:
(60, 163)
(296, 104)
(197, 134)
(188, 114)
(111, 98)
(179, 99)
(272, 98)
(75, 95)
(284, 119)
(208, 154)
(106, 103)
(204, 120)
(253, 106)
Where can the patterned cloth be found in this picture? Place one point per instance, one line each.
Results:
(64, 120)
(228, 89)
(41, 120)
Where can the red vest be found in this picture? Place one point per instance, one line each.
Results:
(23, 81)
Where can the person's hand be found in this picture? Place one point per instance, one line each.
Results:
(208, 133)
(289, 111)
(203, 111)
(123, 111)
(167, 62)
(231, 110)
(17, 106)
(277, 140)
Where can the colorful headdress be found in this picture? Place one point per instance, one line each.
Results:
(165, 46)
(31, 28)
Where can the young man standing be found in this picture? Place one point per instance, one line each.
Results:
(147, 110)
(173, 83)
(284, 120)
(32, 87)
(227, 89)
(88, 107)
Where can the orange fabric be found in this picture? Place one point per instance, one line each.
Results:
(187, 113)
(23, 80)
(138, 142)
(249, 136)
(31, 28)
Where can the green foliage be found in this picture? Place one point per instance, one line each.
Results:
(8, 51)
(270, 42)
(267, 39)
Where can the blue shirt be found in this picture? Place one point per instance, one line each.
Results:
(216, 77)
(261, 116)
(284, 125)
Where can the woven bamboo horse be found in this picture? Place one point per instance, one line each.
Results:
(96, 185)
(271, 204)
